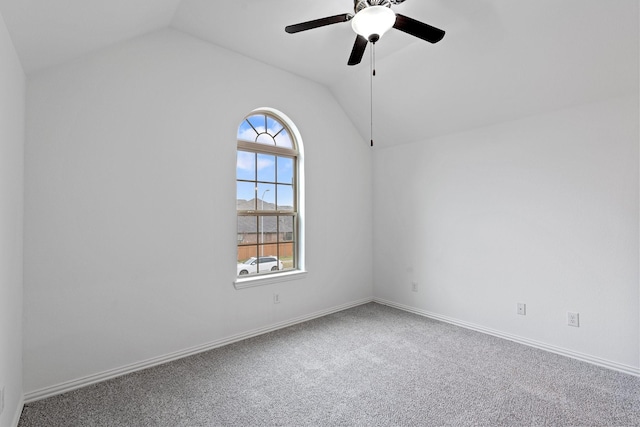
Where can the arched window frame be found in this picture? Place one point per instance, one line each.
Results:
(298, 270)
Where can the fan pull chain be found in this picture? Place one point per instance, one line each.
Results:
(373, 74)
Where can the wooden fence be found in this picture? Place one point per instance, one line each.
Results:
(269, 249)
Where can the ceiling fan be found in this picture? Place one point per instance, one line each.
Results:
(371, 20)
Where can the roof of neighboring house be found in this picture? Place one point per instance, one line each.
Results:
(269, 224)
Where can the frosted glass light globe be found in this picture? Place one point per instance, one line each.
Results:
(373, 21)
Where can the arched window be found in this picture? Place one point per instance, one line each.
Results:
(268, 195)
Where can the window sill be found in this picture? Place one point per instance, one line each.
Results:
(251, 282)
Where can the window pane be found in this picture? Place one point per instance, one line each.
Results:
(246, 166)
(247, 230)
(284, 140)
(266, 168)
(286, 228)
(268, 230)
(258, 122)
(266, 197)
(265, 139)
(285, 170)
(246, 256)
(246, 196)
(287, 256)
(285, 197)
(273, 126)
(246, 132)
(268, 263)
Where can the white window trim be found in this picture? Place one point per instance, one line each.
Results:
(300, 272)
(267, 279)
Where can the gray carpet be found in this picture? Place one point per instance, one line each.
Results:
(367, 366)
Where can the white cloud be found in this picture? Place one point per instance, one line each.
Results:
(245, 161)
(264, 163)
(246, 134)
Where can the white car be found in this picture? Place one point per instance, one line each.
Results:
(263, 263)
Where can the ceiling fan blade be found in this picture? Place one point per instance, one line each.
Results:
(418, 29)
(309, 25)
(358, 50)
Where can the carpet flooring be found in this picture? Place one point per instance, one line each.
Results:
(371, 365)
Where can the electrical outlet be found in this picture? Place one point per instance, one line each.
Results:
(414, 286)
(276, 298)
(573, 319)
(522, 309)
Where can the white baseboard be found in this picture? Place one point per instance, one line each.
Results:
(627, 369)
(113, 373)
(18, 413)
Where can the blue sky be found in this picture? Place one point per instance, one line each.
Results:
(254, 129)
(275, 176)
(274, 173)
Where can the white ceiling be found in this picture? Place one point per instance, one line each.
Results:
(49, 32)
(500, 59)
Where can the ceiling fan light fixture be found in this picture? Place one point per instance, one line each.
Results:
(372, 22)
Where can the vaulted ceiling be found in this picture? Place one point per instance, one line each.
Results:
(500, 60)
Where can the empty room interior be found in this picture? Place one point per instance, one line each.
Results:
(486, 178)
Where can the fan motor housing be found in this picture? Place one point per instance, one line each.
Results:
(363, 4)
(358, 5)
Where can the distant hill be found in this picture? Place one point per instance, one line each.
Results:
(257, 204)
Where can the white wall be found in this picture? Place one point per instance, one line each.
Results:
(12, 109)
(542, 211)
(130, 205)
